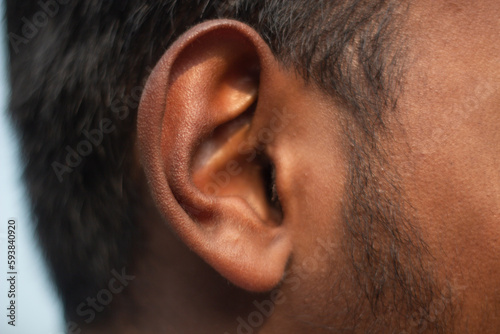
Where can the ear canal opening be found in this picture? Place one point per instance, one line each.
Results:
(271, 190)
(229, 163)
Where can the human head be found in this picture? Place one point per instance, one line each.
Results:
(375, 109)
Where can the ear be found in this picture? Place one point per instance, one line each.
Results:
(209, 175)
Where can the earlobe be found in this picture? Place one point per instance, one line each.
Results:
(201, 104)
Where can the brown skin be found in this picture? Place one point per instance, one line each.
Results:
(196, 117)
(450, 113)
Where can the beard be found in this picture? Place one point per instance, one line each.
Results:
(392, 284)
(384, 279)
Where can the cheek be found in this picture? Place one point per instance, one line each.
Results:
(448, 153)
(448, 158)
(452, 181)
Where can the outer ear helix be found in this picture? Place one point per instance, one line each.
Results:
(196, 110)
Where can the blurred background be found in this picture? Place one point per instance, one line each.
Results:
(38, 310)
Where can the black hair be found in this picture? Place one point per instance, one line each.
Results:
(76, 71)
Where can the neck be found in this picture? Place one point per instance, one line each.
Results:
(174, 291)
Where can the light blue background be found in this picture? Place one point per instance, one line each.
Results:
(38, 310)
